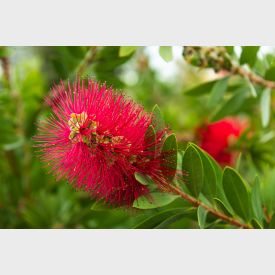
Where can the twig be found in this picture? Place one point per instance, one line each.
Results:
(218, 59)
(256, 79)
(6, 69)
(213, 211)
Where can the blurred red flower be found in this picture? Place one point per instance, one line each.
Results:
(96, 139)
(216, 138)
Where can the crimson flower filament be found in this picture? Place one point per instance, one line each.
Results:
(96, 139)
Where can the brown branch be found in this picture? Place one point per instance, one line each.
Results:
(213, 211)
(6, 70)
(218, 59)
(256, 79)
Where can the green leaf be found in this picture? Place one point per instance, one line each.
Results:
(179, 159)
(170, 143)
(157, 219)
(192, 164)
(100, 205)
(143, 179)
(210, 181)
(166, 53)
(216, 167)
(169, 154)
(270, 74)
(157, 118)
(256, 224)
(106, 66)
(249, 55)
(126, 50)
(154, 200)
(61, 60)
(272, 222)
(220, 200)
(146, 180)
(171, 220)
(265, 106)
(237, 193)
(231, 106)
(230, 49)
(202, 213)
(201, 89)
(257, 201)
(217, 92)
(268, 191)
(3, 51)
(239, 161)
(223, 207)
(150, 138)
(251, 88)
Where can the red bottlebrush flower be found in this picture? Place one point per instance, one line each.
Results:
(216, 138)
(96, 139)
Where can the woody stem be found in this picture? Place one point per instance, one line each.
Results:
(6, 70)
(256, 79)
(213, 211)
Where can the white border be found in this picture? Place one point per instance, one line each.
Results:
(136, 252)
(143, 22)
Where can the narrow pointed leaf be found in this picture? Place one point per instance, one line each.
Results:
(217, 92)
(257, 201)
(231, 106)
(239, 161)
(202, 213)
(157, 118)
(210, 177)
(251, 88)
(237, 194)
(171, 220)
(150, 138)
(166, 53)
(154, 200)
(192, 165)
(100, 205)
(126, 50)
(201, 89)
(143, 179)
(155, 220)
(256, 224)
(221, 205)
(270, 73)
(229, 49)
(169, 154)
(265, 107)
(249, 55)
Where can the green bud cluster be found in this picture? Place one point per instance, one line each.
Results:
(216, 58)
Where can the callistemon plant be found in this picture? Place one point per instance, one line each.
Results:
(98, 140)
(103, 142)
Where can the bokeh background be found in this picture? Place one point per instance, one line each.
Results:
(31, 198)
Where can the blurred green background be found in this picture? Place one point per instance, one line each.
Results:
(29, 196)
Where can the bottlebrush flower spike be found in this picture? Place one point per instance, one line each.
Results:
(96, 139)
(216, 138)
